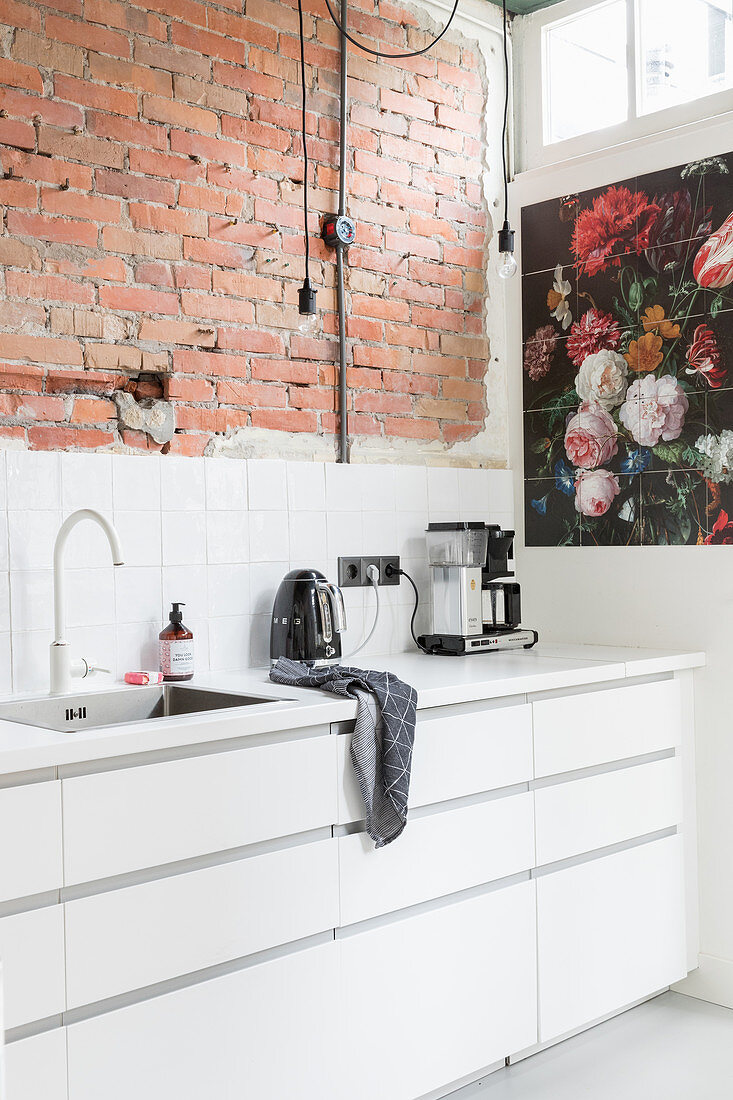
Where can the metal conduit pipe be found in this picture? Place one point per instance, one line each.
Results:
(343, 390)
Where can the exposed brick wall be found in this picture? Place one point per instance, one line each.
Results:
(152, 234)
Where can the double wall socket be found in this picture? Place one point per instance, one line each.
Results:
(353, 571)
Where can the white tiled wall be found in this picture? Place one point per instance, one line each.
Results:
(217, 534)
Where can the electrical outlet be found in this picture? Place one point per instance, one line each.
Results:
(353, 571)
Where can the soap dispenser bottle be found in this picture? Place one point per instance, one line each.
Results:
(176, 647)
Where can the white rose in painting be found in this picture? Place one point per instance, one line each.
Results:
(603, 379)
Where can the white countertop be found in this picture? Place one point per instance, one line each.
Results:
(439, 681)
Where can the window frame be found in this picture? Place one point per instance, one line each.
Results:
(532, 102)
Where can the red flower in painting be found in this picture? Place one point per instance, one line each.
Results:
(713, 266)
(595, 331)
(617, 224)
(722, 532)
(677, 229)
(703, 357)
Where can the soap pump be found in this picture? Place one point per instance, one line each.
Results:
(176, 647)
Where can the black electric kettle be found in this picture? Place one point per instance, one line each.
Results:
(308, 618)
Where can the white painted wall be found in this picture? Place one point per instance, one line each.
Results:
(646, 596)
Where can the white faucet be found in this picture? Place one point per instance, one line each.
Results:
(64, 667)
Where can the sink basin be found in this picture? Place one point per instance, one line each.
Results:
(94, 710)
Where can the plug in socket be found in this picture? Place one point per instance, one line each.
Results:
(384, 576)
(365, 563)
(353, 572)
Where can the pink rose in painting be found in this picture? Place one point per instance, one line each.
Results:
(595, 491)
(590, 437)
(654, 409)
(713, 266)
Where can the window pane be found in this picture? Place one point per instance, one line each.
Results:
(585, 72)
(685, 50)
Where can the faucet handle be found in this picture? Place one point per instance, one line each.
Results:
(95, 668)
(86, 668)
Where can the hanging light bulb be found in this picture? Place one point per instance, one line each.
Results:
(507, 262)
(307, 309)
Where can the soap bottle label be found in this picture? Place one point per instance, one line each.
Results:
(176, 657)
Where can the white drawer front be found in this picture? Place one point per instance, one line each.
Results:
(584, 814)
(187, 922)
(597, 727)
(610, 932)
(30, 840)
(467, 996)
(35, 1068)
(32, 953)
(262, 1033)
(144, 816)
(454, 755)
(436, 855)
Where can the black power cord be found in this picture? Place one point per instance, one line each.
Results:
(506, 115)
(392, 56)
(391, 572)
(306, 294)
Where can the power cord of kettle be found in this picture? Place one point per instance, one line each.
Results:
(373, 575)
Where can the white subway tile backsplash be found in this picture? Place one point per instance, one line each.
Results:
(306, 486)
(226, 484)
(228, 590)
(136, 482)
(141, 537)
(34, 479)
(269, 538)
(217, 534)
(267, 481)
(184, 538)
(79, 490)
(182, 485)
(307, 537)
(442, 490)
(31, 535)
(227, 537)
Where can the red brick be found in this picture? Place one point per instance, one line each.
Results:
(160, 109)
(209, 148)
(138, 77)
(285, 420)
(50, 288)
(260, 343)
(284, 370)
(221, 309)
(410, 428)
(159, 56)
(31, 407)
(189, 389)
(210, 45)
(94, 95)
(154, 274)
(80, 147)
(86, 36)
(20, 76)
(126, 18)
(20, 134)
(135, 187)
(251, 394)
(63, 230)
(248, 80)
(16, 193)
(89, 410)
(184, 443)
(138, 300)
(71, 203)
(14, 14)
(382, 403)
(35, 107)
(410, 105)
(57, 438)
(180, 222)
(128, 131)
(41, 349)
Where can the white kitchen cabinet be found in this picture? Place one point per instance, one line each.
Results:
(131, 818)
(187, 922)
(455, 754)
(264, 1033)
(610, 931)
(433, 997)
(32, 953)
(35, 1068)
(30, 839)
(440, 853)
(597, 727)
(606, 809)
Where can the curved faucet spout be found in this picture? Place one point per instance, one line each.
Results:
(61, 665)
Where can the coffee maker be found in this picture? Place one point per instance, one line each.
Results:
(308, 619)
(474, 608)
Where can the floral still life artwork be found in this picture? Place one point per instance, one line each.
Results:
(627, 313)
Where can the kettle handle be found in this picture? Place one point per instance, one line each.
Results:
(336, 612)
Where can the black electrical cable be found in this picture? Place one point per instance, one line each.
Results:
(506, 116)
(390, 571)
(392, 56)
(305, 146)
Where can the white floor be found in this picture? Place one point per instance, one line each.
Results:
(671, 1048)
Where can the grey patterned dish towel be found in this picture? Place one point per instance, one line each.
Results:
(381, 746)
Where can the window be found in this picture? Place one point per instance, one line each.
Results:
(615, 70)
(586, 51)
(685, 51)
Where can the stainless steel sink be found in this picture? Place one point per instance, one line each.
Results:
(120, 706)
